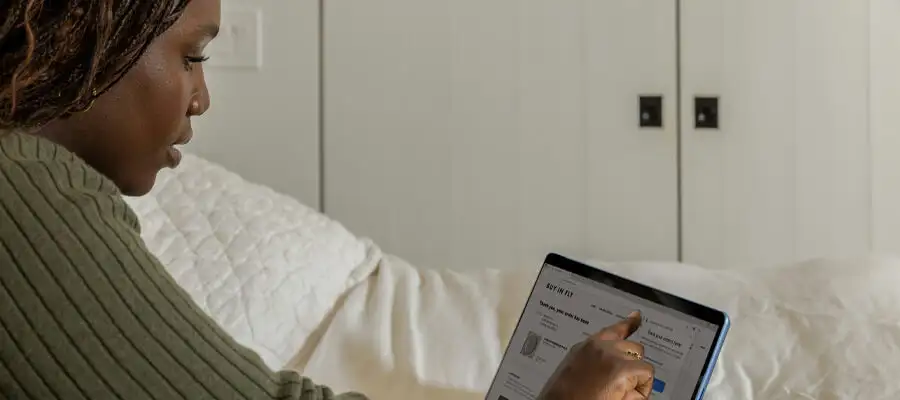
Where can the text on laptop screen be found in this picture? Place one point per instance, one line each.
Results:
(565, 309)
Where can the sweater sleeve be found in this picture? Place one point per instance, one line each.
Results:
(87, 312)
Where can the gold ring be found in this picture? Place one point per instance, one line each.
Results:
(636, 356)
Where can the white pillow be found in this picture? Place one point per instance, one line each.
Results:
(265, 267)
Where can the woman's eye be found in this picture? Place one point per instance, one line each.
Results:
(191, 60)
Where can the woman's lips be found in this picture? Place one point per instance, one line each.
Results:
(173, 154)
(185, 137)
(174, 157)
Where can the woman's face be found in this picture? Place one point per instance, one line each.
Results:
(130, 132)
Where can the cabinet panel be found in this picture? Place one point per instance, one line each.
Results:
(474, 134)
(885, 103)
(787, 176)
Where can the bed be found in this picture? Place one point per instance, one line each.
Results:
(307, 294)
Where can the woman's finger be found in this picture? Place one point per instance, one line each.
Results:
(635, 395)
(642, 374)
(622, 329)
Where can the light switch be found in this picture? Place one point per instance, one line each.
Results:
(239, 44)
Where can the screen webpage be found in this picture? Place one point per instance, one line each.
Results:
(565, 308)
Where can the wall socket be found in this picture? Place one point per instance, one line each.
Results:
(239, 44)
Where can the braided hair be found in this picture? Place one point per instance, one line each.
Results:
(57, 56)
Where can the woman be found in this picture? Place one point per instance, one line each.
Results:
(94, 97)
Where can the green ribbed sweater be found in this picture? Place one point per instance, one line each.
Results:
(87, 312)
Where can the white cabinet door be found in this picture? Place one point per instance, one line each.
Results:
(474, 134)
(885, 125)
(786, 177)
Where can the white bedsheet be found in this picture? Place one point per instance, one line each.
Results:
(305, 293)
(812, 331)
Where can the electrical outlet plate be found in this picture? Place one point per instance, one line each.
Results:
(239, 44)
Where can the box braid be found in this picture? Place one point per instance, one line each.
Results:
(57, 56)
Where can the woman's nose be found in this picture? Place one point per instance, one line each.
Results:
(200, 102)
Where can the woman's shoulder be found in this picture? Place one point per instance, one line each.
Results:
(21, 148)
(32, 161)
(43, 178)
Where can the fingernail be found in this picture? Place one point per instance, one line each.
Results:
(634, 314)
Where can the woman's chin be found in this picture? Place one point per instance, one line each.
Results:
(137, 187)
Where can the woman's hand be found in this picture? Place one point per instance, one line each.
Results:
(603, 367)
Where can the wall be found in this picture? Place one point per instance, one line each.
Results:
(263, 122)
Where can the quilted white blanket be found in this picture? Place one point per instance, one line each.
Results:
(297, 287)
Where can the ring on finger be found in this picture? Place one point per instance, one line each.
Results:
(634, 354)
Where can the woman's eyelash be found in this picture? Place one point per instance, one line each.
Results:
(189, 61)
(197, 59)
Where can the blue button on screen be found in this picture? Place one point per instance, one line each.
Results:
(658, 386)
